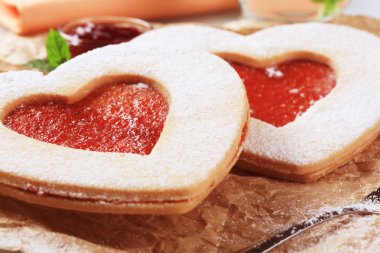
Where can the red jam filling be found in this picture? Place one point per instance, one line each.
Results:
(125, 118)
(89, 35)
(277, 95)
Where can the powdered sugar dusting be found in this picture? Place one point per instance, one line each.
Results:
(339, 119)
(273, 72)
(366, 207)
(33, 239)
(179, 168)
(141, 85)
(358, 235)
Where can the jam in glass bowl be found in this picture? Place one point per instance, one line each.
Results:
(86, 34)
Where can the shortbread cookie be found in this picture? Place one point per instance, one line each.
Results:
(122, 129)
(313, 88)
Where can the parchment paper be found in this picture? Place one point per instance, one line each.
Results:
(244, 209)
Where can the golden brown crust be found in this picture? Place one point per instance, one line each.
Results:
(313, 172)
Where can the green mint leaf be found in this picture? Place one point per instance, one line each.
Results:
(328, 7)
(57, 49)
(40, 64)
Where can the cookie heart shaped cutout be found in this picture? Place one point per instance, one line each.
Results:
(279, 94)
(177, 173)
(125, 118)
(330, 132)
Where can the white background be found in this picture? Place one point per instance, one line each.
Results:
(364, 7)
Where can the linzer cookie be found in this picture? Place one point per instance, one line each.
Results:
(313, 90)
(121, 129)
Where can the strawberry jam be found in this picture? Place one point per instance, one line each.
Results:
(277, 95)
(91, 33)
(125, 118)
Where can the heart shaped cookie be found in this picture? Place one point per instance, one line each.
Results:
(313, 90)
(121, 129)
